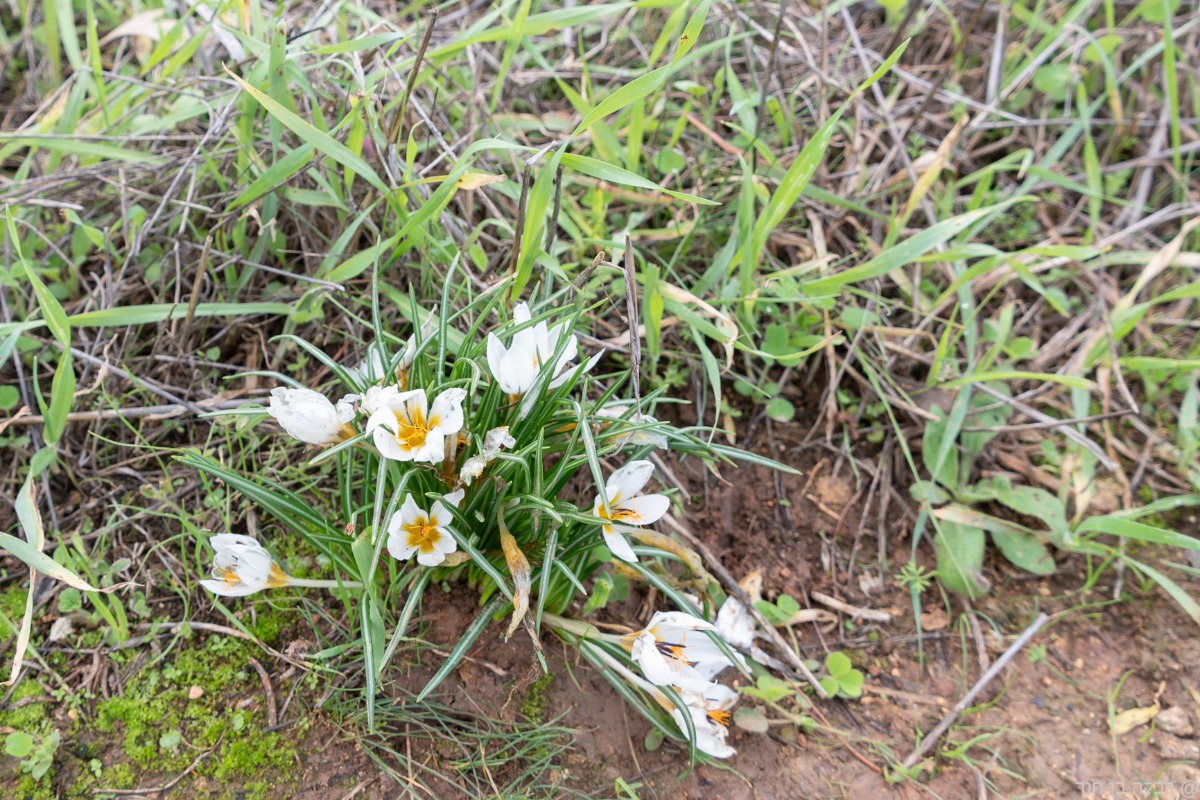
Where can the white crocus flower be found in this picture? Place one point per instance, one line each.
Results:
(709, 710)
(406, 428)
(516, 367)
(310, 417)
(242, 566)
(674, 650)
(626, 507)
(413, 530)
(645, 436)
(493, 442)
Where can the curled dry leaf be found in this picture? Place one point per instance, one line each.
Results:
(518, 567)
(477, 180)
(1132, 718)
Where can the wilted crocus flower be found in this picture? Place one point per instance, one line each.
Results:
(242, 566)
(626, 507)
(405, 428)
(310, 417)
(708, 706)
(412, 530)
(644, 436)
(674, 650)
(517, 366)
(493, 441)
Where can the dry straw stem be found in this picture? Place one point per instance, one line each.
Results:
(962, 705)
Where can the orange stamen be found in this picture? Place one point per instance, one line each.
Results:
(722, 718)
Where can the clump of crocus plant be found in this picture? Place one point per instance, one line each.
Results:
(461, 457)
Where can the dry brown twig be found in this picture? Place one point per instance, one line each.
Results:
(962, 705)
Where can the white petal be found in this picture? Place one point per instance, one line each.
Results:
(617, 544)
(710, 737)
(410, 513)
(717, 697)
(345, 407)
(663, 671)
(227, 590)
(495, 357)
(434, 449)
(455, 497)
(445, 543)
(399, 548)
(432, 558)
(642, 510)
(382, 425)
(306, 415)
(223, 541)
(544, 345)
(377, 397)
(526, 339)
(439, 515)
(628, 481)
(410, 352)
(447, 411)
(517, 370)
(412, 405)
(735, 623)
(673, 625)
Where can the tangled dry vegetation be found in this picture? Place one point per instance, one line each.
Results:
(940, 259)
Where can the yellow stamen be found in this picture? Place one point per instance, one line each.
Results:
(619, 514)
(422, 534)
(228, 575)
(411, 432)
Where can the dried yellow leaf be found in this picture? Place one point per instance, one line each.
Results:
(1132, 718)
(476, 180)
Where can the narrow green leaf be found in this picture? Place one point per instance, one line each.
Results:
(637, 89)
(322, 141)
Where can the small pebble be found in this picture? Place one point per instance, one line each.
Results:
(195, 693)
(1176, 749)
(1039, 701)
(1175, 722)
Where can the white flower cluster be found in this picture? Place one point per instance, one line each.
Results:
(407, 424)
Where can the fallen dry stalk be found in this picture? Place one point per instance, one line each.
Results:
(932, 737)
(854, 611)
